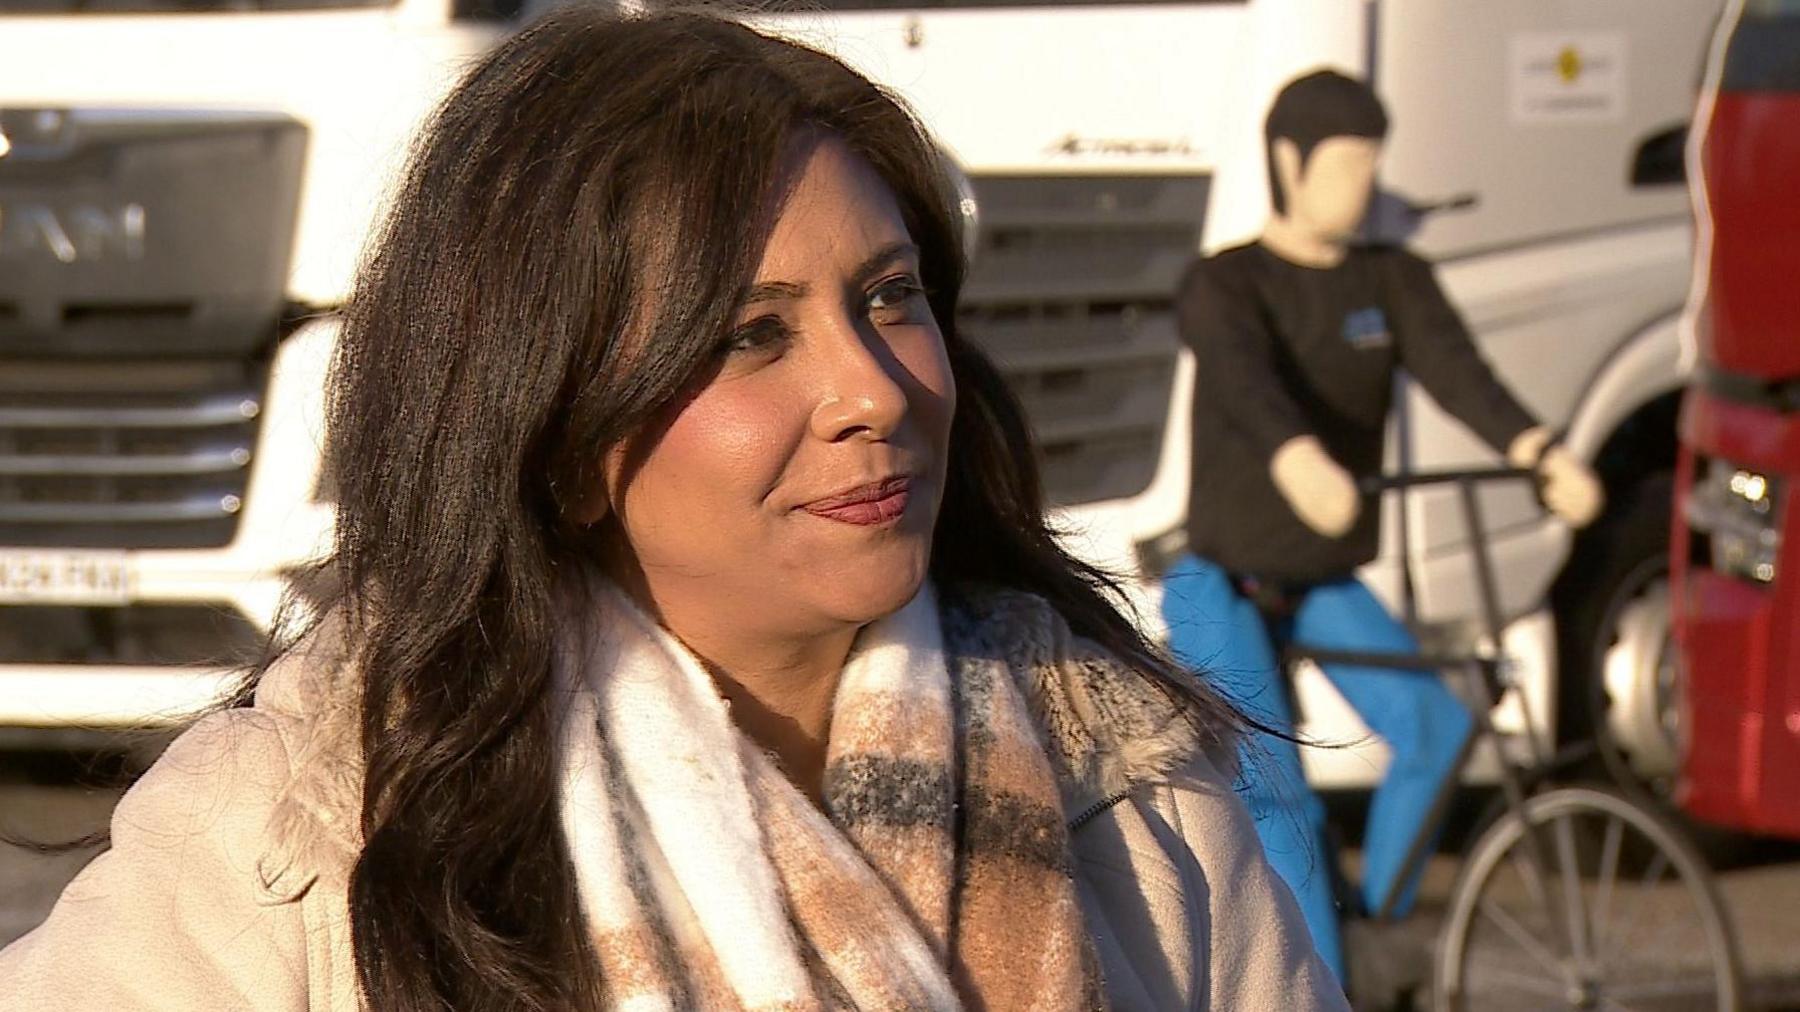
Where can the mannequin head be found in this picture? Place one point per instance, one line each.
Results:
(1324, 135)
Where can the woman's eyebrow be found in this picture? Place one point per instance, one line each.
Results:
(772, 291)
(884, 256)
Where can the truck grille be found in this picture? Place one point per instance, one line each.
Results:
(198, 634)
(1072, 292)
(126, 454)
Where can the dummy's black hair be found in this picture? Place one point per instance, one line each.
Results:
(1314, 108)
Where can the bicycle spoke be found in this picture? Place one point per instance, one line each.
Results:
(1687, 982)
(1692, 986)
(1609, 873)
(1528, 871)
(1515, 980)
(1523, 939)
(1571, 886)
(1667, 925)
(1646, 887)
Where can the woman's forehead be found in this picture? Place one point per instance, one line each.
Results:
(838, 213)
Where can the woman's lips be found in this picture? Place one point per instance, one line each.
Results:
(878, 502)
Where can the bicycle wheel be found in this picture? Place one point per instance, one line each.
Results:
(1619, 914)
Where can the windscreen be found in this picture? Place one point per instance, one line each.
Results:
(1764, 53)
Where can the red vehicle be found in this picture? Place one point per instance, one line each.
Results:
(1736, 551)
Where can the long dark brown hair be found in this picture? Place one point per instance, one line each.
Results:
(563, 256)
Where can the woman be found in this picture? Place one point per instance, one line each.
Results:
(699, 641)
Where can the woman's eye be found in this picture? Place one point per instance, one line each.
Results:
(894, 299)
(762, 335)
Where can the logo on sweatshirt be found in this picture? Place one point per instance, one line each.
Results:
(1367, 328)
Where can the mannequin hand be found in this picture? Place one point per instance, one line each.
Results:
(1570, 488)
(1321, 492)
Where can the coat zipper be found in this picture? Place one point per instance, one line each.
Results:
(1093, 810)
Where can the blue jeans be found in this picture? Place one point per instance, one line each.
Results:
(1216, 630)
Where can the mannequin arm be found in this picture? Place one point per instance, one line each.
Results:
(1321, 493)
(1234, 358)
(1435, 346)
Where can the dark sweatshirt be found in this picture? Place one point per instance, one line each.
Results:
(1282, 351)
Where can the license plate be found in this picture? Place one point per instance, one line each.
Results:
(30, 577)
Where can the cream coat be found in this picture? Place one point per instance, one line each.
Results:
(224, 887)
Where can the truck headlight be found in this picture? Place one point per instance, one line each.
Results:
(1735, 508)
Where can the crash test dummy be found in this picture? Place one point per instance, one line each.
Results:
(1296, 339)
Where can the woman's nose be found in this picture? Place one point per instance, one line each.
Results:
(862, 393)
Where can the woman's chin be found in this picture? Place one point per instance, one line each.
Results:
(866, 593)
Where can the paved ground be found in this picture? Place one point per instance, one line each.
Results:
(41, 800)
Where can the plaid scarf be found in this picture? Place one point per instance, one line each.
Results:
(937, 877)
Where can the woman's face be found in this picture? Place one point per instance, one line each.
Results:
(797, 489)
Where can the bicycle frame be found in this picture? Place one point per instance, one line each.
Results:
(1487, 682)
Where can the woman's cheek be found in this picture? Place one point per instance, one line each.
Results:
(929, 364)
(725, 451)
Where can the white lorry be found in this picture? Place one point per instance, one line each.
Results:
(189, 184)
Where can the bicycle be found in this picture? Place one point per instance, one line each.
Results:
(1533, 921)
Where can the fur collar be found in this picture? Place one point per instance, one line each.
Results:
(1106, 728)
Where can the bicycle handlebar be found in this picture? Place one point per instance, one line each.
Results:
(1373, 484)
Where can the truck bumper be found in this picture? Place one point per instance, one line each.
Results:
(102, 697)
